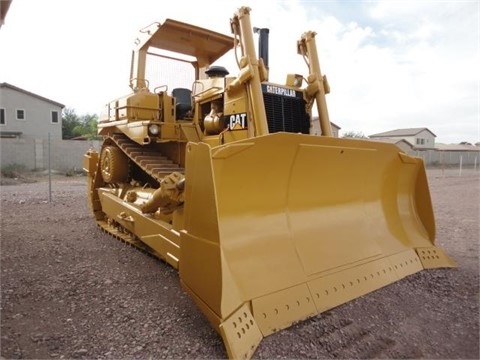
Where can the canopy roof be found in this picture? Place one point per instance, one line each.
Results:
(205, 45)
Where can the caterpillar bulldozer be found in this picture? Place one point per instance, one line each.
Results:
(224, 179)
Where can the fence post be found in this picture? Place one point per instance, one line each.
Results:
(442, 153)
(460, 169)
(49, 172)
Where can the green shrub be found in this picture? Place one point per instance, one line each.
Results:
(73, 172)
(13, 170)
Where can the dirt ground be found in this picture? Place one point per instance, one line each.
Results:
(70, 291)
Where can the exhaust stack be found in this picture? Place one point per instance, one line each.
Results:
(262, 44)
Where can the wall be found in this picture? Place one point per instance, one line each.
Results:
(448, 158)
(33, 153)
(68, 154)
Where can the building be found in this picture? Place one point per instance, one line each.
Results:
(420, 138)
(403, 145)
(316, 127)
(24, 114)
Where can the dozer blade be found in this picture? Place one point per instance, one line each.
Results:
(285, 226)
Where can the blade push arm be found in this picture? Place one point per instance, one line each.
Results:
(250, 70)
(317, 84)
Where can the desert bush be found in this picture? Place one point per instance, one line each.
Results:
(13, 170)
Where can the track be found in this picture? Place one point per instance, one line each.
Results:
(119, 233)
(147, 158)
(152, 162)
(345, 339)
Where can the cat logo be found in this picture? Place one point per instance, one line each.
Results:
(237, 121)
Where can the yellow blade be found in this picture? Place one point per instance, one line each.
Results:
(285, 226)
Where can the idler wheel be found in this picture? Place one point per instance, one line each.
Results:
(114, 165)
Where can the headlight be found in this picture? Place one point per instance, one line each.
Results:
(154, 129)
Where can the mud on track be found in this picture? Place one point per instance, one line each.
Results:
(70, 291)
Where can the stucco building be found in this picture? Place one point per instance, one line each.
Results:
(420, 138)
(24, 114)
(316, 127)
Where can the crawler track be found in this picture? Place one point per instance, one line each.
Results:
(147, 158)
(152, 162)
(127, 238)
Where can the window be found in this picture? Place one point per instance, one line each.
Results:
(2, 116)
(420, 141)
(54, 117)
(20, 114)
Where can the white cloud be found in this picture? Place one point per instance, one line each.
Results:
(418, 67)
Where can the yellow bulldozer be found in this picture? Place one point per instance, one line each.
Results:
(223, 178)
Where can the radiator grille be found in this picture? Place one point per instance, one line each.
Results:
(286, 113)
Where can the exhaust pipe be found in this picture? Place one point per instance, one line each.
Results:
(262, 44)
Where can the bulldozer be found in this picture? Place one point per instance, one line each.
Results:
(223, 177)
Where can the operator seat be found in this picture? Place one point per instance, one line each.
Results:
(183, 100)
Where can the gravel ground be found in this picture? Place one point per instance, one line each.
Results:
(70, 291)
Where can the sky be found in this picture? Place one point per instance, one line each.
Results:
(390, 64)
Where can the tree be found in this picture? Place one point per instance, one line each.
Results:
(87, 127)
(69, 121)
(354, 134)
(74, 125)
